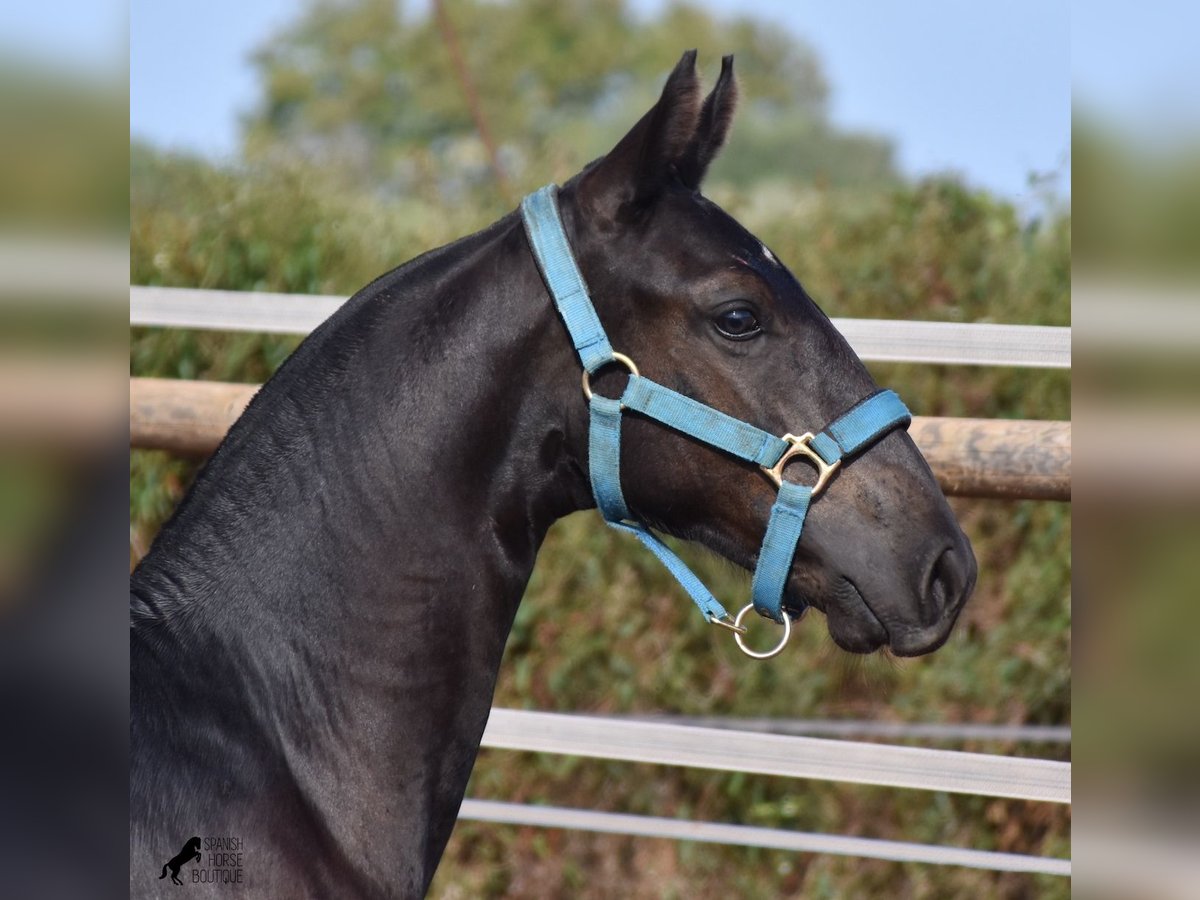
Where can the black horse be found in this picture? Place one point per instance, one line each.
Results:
(316, 633)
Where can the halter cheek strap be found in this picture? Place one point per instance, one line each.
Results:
(849, 434)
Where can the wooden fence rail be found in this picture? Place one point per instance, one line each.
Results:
(1005, 458)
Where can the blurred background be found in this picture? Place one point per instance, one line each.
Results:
(909, 162)
(1137, 347)
(63, 340)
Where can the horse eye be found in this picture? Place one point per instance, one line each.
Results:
(738, 323)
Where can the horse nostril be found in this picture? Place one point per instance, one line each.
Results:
(944, 586)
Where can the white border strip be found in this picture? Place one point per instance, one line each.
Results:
(753, 836)
(880, 340)
(774, 754)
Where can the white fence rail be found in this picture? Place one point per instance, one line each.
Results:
(782, 755)
(753, 836)
(879, 340)
(598, 737)
(870, 728)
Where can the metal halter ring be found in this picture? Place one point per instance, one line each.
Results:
(616, 358)
(738, 631)
(801, 446)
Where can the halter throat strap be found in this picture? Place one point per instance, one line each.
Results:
(849, 434)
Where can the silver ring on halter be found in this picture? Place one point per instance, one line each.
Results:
(754, 654)
(616, 358)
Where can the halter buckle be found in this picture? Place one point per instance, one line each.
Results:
(801, 446)
(727, 622)
(619, 358)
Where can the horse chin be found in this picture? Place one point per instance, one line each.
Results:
(852, 624)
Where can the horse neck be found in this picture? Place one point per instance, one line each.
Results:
(432, 410)
(357, 549)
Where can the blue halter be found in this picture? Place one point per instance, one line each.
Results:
(850, 433)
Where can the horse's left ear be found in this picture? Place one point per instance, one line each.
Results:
(715, 118)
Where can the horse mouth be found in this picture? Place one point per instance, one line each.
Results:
(852, 624)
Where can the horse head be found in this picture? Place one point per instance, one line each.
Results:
(704, 308)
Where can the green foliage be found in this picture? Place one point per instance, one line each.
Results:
(359, 86)
(1140, 201)
(63, 150)
(366, 92)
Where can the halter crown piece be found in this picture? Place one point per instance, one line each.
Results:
(847, 435)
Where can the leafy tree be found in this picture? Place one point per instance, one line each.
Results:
(363, 88)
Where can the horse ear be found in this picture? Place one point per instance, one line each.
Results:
(642, 163)
(715, 118)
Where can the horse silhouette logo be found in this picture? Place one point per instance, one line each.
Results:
(189, 853)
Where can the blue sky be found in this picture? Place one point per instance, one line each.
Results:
(982, 89)
(979, 88)
(1137, 65)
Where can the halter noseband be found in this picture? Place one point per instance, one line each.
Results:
(847, 435)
